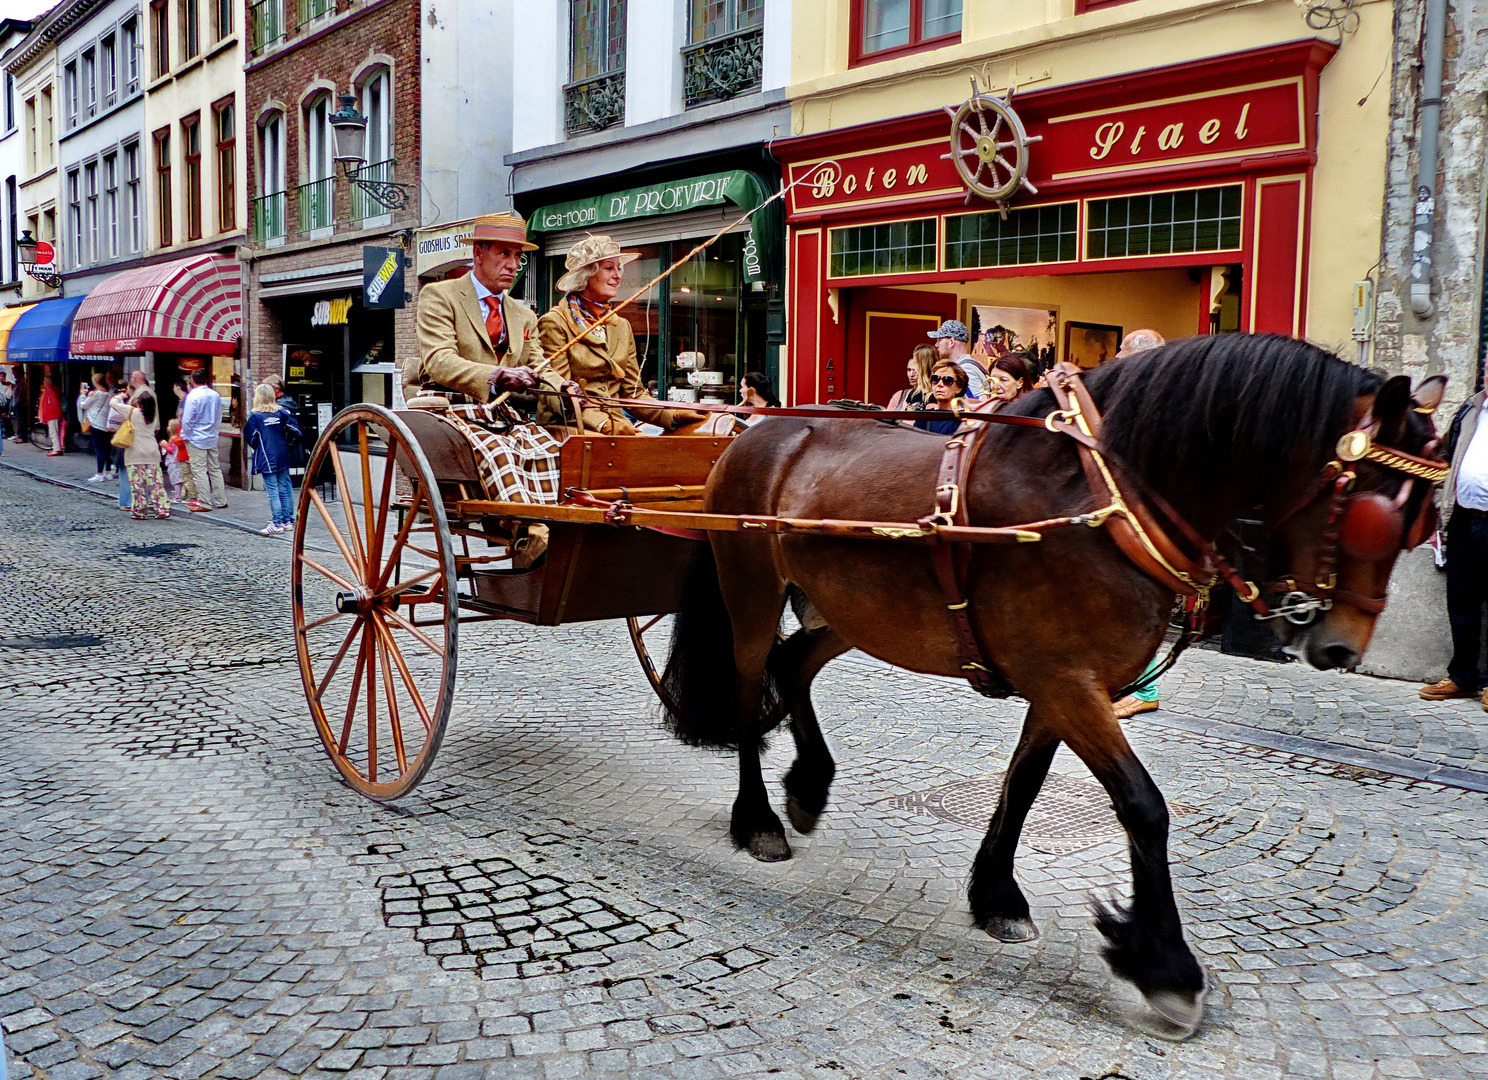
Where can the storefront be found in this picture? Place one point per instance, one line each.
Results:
(169, 320)
(1177, 199)
(721, 313)
(38, 346)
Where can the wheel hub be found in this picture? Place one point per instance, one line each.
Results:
(360, 602)
(986, 148)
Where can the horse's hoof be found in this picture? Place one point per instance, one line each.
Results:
(1011, 931)
(801, 819)
(1181, 1011)
(769, 847)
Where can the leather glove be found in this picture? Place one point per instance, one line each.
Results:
(514, 380)
(686, 416)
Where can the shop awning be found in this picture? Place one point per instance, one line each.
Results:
(192, 305)
(43, 333)
(8, 317)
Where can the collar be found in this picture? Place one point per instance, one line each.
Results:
(481, 292)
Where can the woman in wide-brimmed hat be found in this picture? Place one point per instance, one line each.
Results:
(603, 360)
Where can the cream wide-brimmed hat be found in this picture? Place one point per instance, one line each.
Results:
(586, 253)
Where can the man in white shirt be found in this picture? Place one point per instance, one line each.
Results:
(201, 416)
(1464, 506)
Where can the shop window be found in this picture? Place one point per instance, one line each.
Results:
(594, 97)
(899, 247)
(1164, 223)
(724, 56)
(705, 310)
(1037, 234)
(883, 28)
(191, 158)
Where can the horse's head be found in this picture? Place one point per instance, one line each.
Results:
(1334, 552)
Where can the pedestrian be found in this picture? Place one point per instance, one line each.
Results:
(1464, 510)
(7, 403)
(138, 422)
(759, 392)
(22, 412)
(173, 456)
(270, 433)
(98, 413)
(948, 385)
(951, 339)
(916, 396)
(1145, 697)
(49, 412)
(201, 416)
(1008, 379)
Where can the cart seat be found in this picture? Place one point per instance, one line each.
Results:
(450, 456)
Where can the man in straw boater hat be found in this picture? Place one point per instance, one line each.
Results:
(603, 360)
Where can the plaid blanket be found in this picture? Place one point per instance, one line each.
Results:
(517, 459)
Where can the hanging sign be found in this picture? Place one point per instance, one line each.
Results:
(382, 278)
(331, 312)
(437, 248)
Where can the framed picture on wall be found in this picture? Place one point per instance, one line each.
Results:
(1089, 345)
(1031, 332)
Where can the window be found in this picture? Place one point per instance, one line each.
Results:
(160, 38)
(1165, 223)
(90, 210)
(222, 18)
(268, 210)
(110, 247)
(715, 18)
(317, 195)
(31, 136)
(9, 89)
(886, 27)
(596, 38)
(10, 218)
(75, 218)
(191, 155)
(108, 59)
(48, 136)
(163, 202)
(90, 83)
(1033, 235)
(900, 247)
(133, 201)
(130, 37)
(375, 101)
(224, 119)
(70, 95)
(190, 29)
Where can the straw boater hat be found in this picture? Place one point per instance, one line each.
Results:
(505, 228)
(586, 253)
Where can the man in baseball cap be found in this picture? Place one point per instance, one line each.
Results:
(951, 338)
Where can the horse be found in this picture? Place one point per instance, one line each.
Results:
(1214, 428)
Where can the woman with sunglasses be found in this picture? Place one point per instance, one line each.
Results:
(947, 387)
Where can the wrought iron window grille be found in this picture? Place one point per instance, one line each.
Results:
(723, 67)
(594, 104)
(268, 217)
(265, 24)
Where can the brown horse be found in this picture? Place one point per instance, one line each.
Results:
(1221, 427)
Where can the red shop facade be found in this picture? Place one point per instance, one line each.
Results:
(1177, 199)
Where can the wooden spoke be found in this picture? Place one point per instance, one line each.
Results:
(325, 514)
(322, 621)
(347, 511)
(404, 586)
(390, 694)
(982, 120)
(366, 456)
(432, 645)
(418, 701)
(385, 500)
(391, 560)
(356, 686)
(996, 126)
(655, 619)
(372, 714)
(973, 132)
(424, 552)
(337, 578)
(320, 689)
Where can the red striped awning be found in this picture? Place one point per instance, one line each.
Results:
(192, 305)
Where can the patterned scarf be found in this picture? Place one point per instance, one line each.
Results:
(585, 313)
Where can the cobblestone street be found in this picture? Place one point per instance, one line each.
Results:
(186, 889)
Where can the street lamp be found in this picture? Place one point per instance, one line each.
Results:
(27, 247)
(349, 129)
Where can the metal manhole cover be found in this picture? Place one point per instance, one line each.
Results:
(51, 641)
(155, 551)
(1069, 815)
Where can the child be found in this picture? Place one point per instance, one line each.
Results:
(269, 433)
(176, 456)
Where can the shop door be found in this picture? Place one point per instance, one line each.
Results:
(884, 326)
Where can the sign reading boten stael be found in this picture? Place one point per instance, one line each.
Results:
(1076, 147)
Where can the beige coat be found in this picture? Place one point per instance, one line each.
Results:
(454, 348)
(145, 450)
(605, 367)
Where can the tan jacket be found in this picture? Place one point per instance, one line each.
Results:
(454, 348)
(608, 367)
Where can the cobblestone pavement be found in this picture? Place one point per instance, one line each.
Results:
(185, 890)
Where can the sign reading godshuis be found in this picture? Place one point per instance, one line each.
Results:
(1076, 146)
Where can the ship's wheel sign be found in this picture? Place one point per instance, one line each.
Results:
(989, 147)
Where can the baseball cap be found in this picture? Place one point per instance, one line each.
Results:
(954, 329)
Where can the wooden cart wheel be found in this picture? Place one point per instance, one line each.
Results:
(660, 633)
(376, 616)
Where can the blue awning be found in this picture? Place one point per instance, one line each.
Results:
(43, 335)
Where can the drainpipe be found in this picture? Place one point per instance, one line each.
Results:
(1430, 116)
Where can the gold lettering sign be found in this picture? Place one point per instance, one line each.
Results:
(1108, 135)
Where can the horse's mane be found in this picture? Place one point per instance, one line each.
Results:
(1258, 407)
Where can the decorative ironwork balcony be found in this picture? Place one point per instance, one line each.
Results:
(594, 104)
(310, 10)
(317, 205)
(722, 67)
(265, 24)
(267, 216)
(370, 190)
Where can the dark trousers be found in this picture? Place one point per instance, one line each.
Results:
(103, 452)
(1467, 593)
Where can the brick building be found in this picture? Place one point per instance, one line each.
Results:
(308, 222)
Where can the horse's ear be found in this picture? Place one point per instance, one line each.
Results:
(1428, 395)
(1390, 407)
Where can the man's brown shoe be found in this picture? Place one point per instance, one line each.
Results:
(1485, 700)
(1130, 705)
(1441, 691)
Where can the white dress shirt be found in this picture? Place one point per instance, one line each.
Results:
(1472, 475)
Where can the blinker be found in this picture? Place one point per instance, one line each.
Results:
(1354, 445)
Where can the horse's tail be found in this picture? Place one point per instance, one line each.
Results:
(701, 678)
